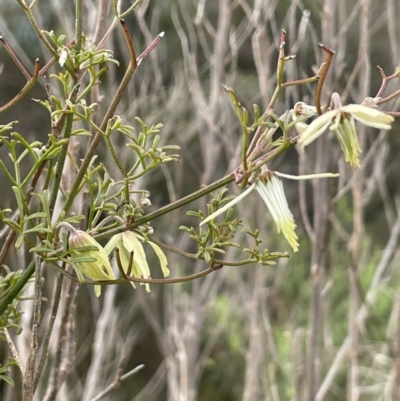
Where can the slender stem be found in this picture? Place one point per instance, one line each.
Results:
(28, 388)
(384, 82)
(78, 25)
(114, 155)
(267, 157)
(24, 90)
(60, 164)
(131, 8)
(150, 47)
(129, 43)
(279, 79)
(324, 73)
(216, 261)
(245, 141)
(15, 290)
(15, 58)
(279, 71)
(13, 350)
(116, 383)
(159, 280)
(390, 97)
(93, 85)
(120, 167)
(65, 345)
(172, 206)
(39, 33)
(303, 81)
(56, 303)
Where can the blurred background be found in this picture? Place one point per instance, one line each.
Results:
(321, 325)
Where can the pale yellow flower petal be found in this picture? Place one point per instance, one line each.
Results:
(348, 139)
(227, 205)
(140, 265)
(274, 197)
(317, 127)
(368, 116)
(306, 176)
(98, 269)
(161, 257)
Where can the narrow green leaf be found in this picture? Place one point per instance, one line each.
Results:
(8, 380)
(25, 143)
(19, 241)
(7, 173)
(40, 228)
(19, 196)
(37, 215)
(40, 249)
(11, 223)
(44, 200)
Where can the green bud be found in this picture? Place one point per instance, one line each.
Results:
(97, 266)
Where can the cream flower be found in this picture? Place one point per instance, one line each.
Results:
(128, 243)
(342, 122)
(270, 188)
(302, 109)
(271, 191)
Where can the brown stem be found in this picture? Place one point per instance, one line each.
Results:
(56, 303)
(28, 388)
(24, 90)
(324, 73)
(15, 58)
(385, 80)
(126, 277)
(129, 43)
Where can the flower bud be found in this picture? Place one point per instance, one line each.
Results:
(97, 267)
(145, 203)
(63, 56)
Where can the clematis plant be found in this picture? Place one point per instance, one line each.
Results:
(341, 120)
(270, 187)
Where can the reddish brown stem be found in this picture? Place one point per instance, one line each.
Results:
(324, 73)
(385, 80)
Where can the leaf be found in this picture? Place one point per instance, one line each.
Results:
(19, 241)
(8, 380)
(20, 201)
(11, 223)
(39, 228)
